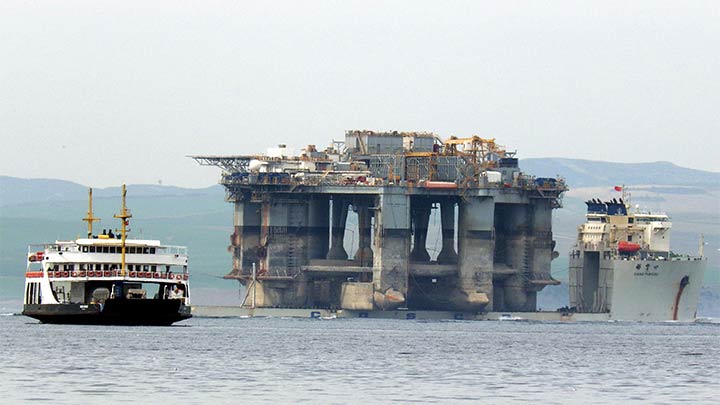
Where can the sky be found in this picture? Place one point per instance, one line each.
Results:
(101, 93)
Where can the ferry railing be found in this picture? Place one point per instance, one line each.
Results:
(172, 250)
(52, 247)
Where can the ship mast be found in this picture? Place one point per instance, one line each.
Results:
(123, 216)
(90, 218)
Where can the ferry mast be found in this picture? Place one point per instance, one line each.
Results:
(90, 218)
(123, 216)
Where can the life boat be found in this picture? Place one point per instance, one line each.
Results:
(441, 185)
(36, 257)
(627, 247)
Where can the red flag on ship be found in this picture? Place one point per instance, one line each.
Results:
(618, 188)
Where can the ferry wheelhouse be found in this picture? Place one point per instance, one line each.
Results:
(107, 279)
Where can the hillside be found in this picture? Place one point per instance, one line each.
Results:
(589, 173)
(16, 191)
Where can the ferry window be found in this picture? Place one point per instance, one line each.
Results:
(145, 250)
(82, 266)
(106, 249)
(106, 266)
(629, 238)
(131, 250)
(84, 249)
(146, 267)
(631, 220)
(152, 251)
(153, 268)
(92, 249)
(56, 267)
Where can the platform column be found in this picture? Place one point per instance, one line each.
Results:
(420, 218)
(476, 252)
(364, 254)
(541, 250)
(318, 224)
(392, 248)
(447, 218)
(519, 256)
(246, 238)
(339, 218)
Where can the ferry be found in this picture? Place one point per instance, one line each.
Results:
(107, 279)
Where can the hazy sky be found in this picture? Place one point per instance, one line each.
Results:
(107, 92)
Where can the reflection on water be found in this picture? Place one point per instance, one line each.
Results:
(354, 360)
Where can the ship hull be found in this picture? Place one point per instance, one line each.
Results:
(113, 312)
(655, 290)
(637, 290)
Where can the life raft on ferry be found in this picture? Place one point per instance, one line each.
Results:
(37, 257)
(627, 247)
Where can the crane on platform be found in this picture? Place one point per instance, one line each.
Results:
(482, 151)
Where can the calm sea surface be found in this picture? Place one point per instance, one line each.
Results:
(359, 360)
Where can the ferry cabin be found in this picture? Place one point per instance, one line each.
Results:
(89, 271)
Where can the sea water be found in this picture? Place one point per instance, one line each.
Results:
(277, 360)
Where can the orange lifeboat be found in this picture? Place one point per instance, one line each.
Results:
(627, 247)
(441, 185)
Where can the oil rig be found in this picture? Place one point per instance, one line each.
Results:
(289, 245)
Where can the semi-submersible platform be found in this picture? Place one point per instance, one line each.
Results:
(291, 212)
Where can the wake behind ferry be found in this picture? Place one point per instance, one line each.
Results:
(107, 279)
